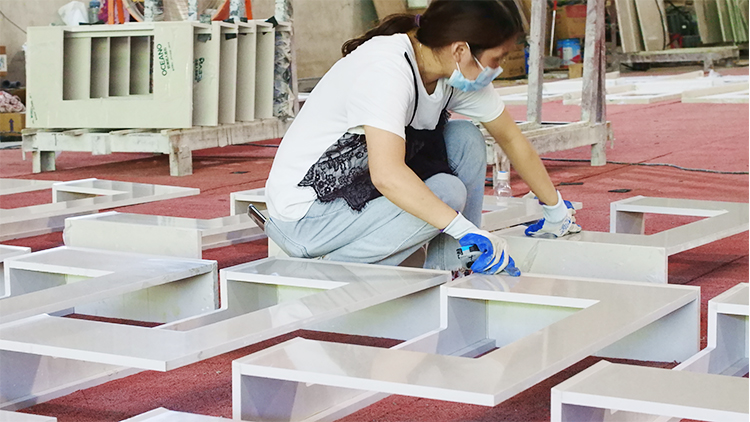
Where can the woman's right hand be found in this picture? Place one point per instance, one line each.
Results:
(494, 257)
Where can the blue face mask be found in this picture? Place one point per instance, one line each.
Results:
(486, 76)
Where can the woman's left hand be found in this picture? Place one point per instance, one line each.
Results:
(558, 221)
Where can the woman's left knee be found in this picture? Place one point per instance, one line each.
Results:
(462, 137)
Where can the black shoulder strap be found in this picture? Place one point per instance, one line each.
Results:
(416, 89)
(449, 98)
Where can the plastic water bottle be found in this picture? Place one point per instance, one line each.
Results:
(502, 188)
(94, 7)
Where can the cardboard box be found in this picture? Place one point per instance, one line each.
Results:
(385, 8)
(514, 63)
(570, 22)
(3, 62)
(12, 122)
(575, 71)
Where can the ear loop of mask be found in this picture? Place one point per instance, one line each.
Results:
(458, 66)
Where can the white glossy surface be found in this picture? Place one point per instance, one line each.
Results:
(611, 256)
(494, 217)
(6, 416)
(514, 212)
(726, 351)
(121, 285)
(238, 201)
(352, 287)
(722, 219)
(11, 186)
(733, 301)
(81, 197)
(172, 236)
(27, 379)
(628, 256)
(638, 89)
(740, 97)
(609, 313)
(164, 415)
(7, 251)
(654, 391)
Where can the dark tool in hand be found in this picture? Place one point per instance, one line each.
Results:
(468, 254)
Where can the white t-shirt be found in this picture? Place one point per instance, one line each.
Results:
(374, 86)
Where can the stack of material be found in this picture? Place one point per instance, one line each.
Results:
(688, 87)
(642, 25)
(722, 20)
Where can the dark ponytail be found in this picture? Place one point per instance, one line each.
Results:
(392, 24)
(482, 23)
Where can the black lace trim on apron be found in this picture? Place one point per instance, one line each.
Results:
(343, 172)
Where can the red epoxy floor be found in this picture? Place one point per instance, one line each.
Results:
(689, 135)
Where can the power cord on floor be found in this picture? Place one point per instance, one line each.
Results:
(577, 160)
(261, 145)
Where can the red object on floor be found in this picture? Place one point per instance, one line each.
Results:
(690, 135)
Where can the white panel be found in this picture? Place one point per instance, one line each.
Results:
(264, 71)
(653, 391)
(119, 78)
(100, 60)
(628, 256)
(606, 313)
(228, 73)
(77, 68)
(164, 415)
(11, 186)
(246, 53)
(108, 275)
(79, 197)
(206, 51)
(140, 65)
(7, 251)
(161, 235)
(7, 416)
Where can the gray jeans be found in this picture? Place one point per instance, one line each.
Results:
(383, 233)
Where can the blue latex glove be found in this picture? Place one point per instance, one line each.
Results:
(494, 257)
(558, 221)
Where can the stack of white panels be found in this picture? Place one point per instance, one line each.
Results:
(149, 75)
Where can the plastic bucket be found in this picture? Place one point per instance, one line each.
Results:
(569, 51)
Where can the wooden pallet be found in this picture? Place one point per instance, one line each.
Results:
(178, 143)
